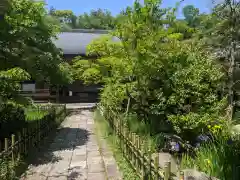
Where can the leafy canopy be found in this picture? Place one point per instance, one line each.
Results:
(27, 50)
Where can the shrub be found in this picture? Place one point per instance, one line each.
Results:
(12, 119)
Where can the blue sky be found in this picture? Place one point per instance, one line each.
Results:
(80, 6)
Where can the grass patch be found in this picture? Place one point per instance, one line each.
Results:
(103, 129)
(35, 114)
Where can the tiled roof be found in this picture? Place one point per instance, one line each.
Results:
(76, 42)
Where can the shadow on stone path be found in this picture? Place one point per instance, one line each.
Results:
(60, 143)
(73, 154)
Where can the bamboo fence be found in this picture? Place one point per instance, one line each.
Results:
(143, 161)
(18, 145)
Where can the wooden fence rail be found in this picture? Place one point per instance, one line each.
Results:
(18, 145)
(138, 152)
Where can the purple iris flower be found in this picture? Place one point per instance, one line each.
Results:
(177, 146)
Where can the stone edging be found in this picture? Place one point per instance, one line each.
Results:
(111, 169)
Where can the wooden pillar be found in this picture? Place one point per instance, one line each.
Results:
(57, 94)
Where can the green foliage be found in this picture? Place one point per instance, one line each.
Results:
(12, 119)
(63, 74)
(10, 86)
(27, 51)
(96, 19)
(91, 75)
(167, 79)
(113, 96)
(66, 19)
(63, 13)
(218, 159)
(35, 114)
(7, 170)
(26, 41)
(191, 15)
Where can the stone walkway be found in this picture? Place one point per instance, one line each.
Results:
(73, 155)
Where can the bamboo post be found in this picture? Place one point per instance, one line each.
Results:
(156, 165)
(6, 144)
(127, 141)
(181, 175)
(134, 149)
(149, 161)
(138, 142)
(167, 169)
(129, 145)
(25, 140)
(138, 146)
(19, 145)
(114, 125)
(6, 151)
(119, 129)
(1, 146)
(124, 140)
(142, 162)
(45, 129)
(120, 134)
(115, 128)
(39, 131)
(29, 136)
(134, 139)
(34, 137)
(65, 110)
(13, 148)
(42, 129)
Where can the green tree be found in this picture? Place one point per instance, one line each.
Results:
(96, 19)
(191, 15)
(221, 36)
(27, 49)
(52, 11)
(67, 18)
(153, 73)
